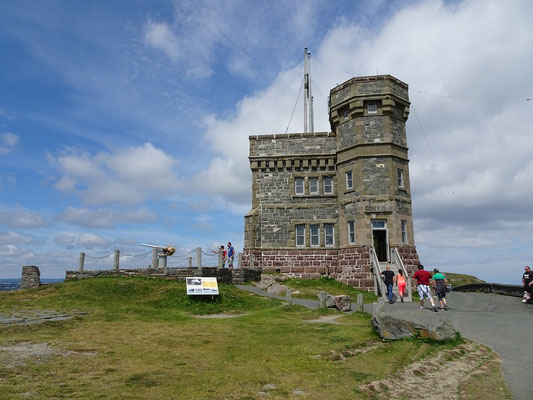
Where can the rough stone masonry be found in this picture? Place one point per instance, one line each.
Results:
(321, 200)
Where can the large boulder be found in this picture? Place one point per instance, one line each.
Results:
(330, 301)
(398, 324)
(343, 303)
(277, 289)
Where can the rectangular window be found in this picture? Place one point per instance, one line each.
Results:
(379, 224)
(300, 235)
(372, 108)
(329, 236)
(404, 231)
(398, 111)
(313, 186)
(351, 232)
(349, 180)
(315, 235)
(299, 186)
(328, 185)
(400, 178)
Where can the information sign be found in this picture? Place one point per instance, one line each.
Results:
(204, 285)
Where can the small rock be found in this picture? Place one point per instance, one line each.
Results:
(277, 289)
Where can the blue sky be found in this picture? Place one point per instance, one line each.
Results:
(126, 122)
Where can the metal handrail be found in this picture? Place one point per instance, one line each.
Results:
(374, 263)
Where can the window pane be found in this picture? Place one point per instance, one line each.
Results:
(404, 231)
(313, 185)
(329, 236)
(299, 186)
(351, 232)
(315, 241)
(328, 185)
(378, 224)
(349, 180)
(300, 235)
(372, 107)
(400, 178)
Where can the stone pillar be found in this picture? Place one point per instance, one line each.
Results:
(288, 295)
(155, 258)
(322, 296)
(251, 261)
(116, 260)
(198, 257)
(82, 261)
(360, 306)
(31, 277)
(220, 260)
(239, 261)
(189, 264)
(163, 260)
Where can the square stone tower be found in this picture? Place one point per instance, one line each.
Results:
(328, 203)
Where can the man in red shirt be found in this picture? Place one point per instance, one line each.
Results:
(422, 280)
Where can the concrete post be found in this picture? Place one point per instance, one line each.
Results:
(360, 306)
(116, 259)
(82, 261)
(239, 261)
(198, 257)
(155, 258)
(220, 260)
(251, 261)
(163, 260)
(289, 297)
(189, 264)
(322, 296)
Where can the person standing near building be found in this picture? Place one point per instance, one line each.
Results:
(231, 255)
(224, 255)
(388, 278)
(401, 283)
(527, 281)
(440, 284)
(422, 280)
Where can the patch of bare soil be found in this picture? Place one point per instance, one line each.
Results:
(220, 316)
(438, 376)
(327, 319)
(16, 355)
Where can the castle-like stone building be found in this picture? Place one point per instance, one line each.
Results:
(328, 203)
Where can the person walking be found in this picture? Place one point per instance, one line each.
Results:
(422, 279)
(527, 281)
(400, 281)
(231, 255)
(440, 284)
(388, 278)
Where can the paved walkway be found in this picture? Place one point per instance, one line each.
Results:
(501, 322)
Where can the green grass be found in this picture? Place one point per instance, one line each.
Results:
(309, 289)
(461, 279)
(141, 340)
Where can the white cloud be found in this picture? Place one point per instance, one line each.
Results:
(12, 238)
(84, 240)
(19, 217)
(160, 36)
(469, 139)
(128, 176)
(8, 142)
(104, 217)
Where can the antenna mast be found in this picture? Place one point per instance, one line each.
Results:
(308, 97)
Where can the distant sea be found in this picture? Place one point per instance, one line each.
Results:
(13, 284)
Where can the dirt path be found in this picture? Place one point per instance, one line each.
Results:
(444, 375)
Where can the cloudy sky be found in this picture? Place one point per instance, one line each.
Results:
(126, 122)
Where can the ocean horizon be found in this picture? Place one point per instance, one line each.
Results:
(7, 285)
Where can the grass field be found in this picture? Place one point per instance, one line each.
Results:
(457, 280)
(142, 339)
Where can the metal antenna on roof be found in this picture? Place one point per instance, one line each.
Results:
(308, 97)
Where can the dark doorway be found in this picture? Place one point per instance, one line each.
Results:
(380, 244)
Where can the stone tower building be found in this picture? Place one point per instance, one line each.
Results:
(336, 203)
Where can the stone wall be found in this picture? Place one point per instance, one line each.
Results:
(495, 288)
(350, 266)
(409, 258)
(223, 275)
(31, 277)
